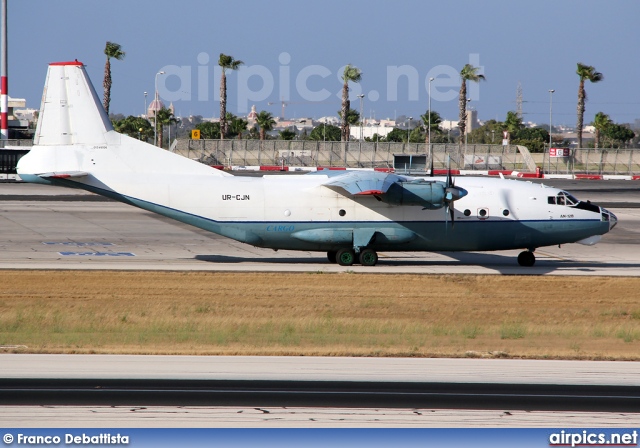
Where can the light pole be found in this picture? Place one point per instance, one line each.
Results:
(155, 113)
(550, 113)
(361, 96)
(429, 128)
(409, 131)
(144, 113)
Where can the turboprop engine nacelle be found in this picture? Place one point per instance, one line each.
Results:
(429, 195)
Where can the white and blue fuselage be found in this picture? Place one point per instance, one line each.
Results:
(314, 212)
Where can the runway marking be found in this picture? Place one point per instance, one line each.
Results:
(75, 243)
(98, 254)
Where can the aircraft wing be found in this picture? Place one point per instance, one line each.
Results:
(397, 190)
(363, 182)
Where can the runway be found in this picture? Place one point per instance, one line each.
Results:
(190, 391)
(55, 228)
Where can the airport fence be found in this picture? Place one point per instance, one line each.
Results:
(592, 161)
(309, 153)
(401, 156)
(16, 142)
(411, 156)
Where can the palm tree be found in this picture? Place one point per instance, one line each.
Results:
(468, 73)
(353, 118)
(352, 74)
(112, 50)
(601, 122)
(162, 117)
(433, 123)
(585, 72)
(266, 122)
(236, 125)
(227, 63)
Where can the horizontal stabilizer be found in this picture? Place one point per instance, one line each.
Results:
(370, 192)
(63, 175)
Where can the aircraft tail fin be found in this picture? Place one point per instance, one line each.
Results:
(75, 139)
(70, 112)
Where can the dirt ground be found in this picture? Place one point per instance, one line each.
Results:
(344, 314)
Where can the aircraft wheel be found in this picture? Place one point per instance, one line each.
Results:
(331, 256)
(368, 257)
(346, 257)
(526, 258)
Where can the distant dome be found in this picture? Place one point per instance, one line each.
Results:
(155, 105)
(253, 115)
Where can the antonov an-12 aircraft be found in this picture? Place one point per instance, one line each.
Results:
(350, 215)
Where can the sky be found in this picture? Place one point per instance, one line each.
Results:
(295, 51)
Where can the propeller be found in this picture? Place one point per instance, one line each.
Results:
(506, 199)
(431, 171)
(452, 194)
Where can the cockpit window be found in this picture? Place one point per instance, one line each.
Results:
(572, 199)
(551, 200)
(565, 199)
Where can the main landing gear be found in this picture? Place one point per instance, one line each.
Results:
(347, 257)
(527, 258)
(369, 257)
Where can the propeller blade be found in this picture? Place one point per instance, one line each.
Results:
(448, 213)
(451, 211)
(446, 217)
(431, 172)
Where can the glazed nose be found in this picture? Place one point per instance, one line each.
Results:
(608, 216)
(613, 220)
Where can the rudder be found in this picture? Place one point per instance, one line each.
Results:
(70, 112)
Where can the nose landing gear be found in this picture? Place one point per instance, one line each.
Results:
(527, 258)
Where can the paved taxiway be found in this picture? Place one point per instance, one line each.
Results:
(55, 228)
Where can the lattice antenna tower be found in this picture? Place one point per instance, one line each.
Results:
(519, 100)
